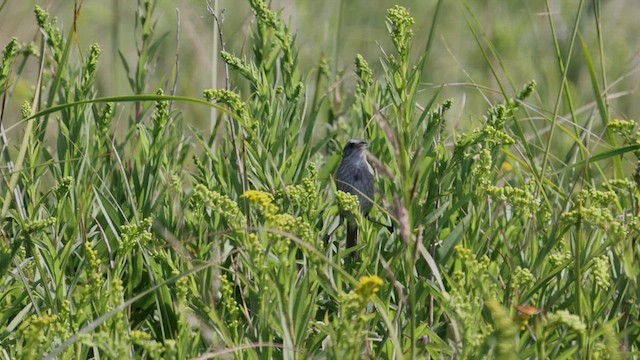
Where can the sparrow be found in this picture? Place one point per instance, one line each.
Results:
(355, 176)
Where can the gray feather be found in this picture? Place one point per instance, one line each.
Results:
(355, 176)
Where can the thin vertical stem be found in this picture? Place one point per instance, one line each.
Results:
(578, 271)
(564, 88)
(336, 40)
(214, 63)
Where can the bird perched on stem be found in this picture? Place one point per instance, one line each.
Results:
(355, 176)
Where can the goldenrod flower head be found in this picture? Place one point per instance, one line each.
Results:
(262, 200)
(464, 253)
(305, 194)
(505, 331)
(369, 286)
(63, 186)
(138, 336)
(482, 169)
(347, 202)
(522, 278)
(248, 70)
(263, 14)
(134, 234)
(203, 199)
(506, 167)
(564, 317)
(557, 257)
(25, 109)
(622, 127)
(256, 196)
(284, 222)
(231, 100)
(527, 90)
(39, 225)
(400, 22)
(601, 272)
(522, 200)
(363, 71)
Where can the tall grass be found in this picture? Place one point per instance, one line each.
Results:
(127, 232)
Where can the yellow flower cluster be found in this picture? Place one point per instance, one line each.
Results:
(622, 127)
(262, 200)
(368, 287)
(347, 202)
(284, 222)
(213, 202)
(522, 200)
(522, 278)
(134, 234)
(353, 319)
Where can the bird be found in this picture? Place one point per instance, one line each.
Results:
(355, 176)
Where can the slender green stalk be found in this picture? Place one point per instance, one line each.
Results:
(136, 233)
(563, 66)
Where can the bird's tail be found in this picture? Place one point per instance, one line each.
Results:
(352, 234)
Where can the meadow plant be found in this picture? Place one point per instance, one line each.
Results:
(128, 232)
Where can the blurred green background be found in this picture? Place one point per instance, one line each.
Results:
(338, 30)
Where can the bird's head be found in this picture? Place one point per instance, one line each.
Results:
(355, 148)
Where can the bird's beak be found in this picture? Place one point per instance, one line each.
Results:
(363, 145)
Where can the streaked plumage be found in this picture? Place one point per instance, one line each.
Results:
(355, 176)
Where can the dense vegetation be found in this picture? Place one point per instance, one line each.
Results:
(126, 231)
